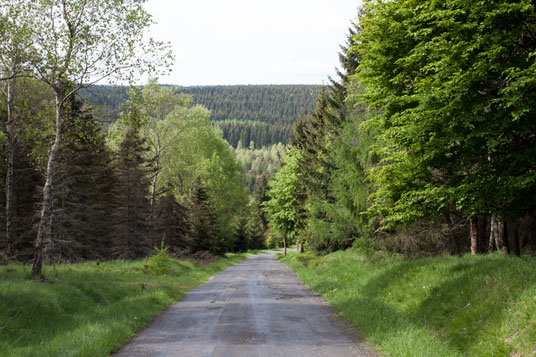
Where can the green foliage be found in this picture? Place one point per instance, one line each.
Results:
(446, 306)
(85, 41)
(171, 222)
(205, 232)
(81, 218)
(455, 85)
(91, 309)
(345, 217)
(258, 162)
(283, 208)
(160, 263)
(184, 147)
(333, 161)
(259, 113)
(241, 236)
(256, 228)
(131, 236)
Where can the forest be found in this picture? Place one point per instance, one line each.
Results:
(262, 114)
(425, 144)
(79, 183)
(407, 184)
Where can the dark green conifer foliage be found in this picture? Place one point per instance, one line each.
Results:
(171, 223)
(82, 208)
(260, 195)
(256, 227)
(27, 180)
(204, 225)
(315, 136)
(241, 237)
(132, 225)
(25, 199)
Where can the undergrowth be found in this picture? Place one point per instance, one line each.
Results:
(441, 306)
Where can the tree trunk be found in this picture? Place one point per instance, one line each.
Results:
(44, 223)
(513, 235)
(153, 184)
(492, 246)
(473, 225)
(10, 164)
(285, 245)
(502, 241)
(482, 233)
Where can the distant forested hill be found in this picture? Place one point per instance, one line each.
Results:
(263, 114)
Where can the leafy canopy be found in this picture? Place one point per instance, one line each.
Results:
(454, 82)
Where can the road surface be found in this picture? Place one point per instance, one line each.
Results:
(255, 308)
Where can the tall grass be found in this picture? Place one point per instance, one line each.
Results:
(443, 306)
(91, 309)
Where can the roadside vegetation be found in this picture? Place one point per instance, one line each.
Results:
(93, 308)
(434, 306)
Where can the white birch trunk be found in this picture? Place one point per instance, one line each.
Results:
(44, 222)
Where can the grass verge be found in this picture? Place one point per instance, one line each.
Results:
(442, 306)
(91, 309)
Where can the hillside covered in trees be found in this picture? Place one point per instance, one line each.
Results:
(263, 114)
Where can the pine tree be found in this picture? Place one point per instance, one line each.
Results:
(131, 237)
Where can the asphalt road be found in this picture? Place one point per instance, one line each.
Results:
(255, 308)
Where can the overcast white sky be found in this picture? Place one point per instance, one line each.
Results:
(250, 41)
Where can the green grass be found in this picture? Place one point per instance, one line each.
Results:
(91, 309)
(442, 306)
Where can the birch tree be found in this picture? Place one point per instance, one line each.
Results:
(78, 43)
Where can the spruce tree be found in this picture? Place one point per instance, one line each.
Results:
(204, 226)
(241, 237)
(25, 196)
(171, 223)
(256, 228)
(82, 201)
(131, 236)
(260, 195)
(314, 137)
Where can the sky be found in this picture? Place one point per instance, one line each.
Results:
(224, 42)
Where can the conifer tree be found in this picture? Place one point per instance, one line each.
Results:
(241, 237)
(204, 227)
(131, 237)
(82, 204)
(260, 195)
(315, 136)
(171, 223)
(256, 228)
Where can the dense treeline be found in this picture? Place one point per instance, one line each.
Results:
(161, 176)
(257, 162)
(260, 113)
(426, 142)
(265, 103)
(254, 133)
